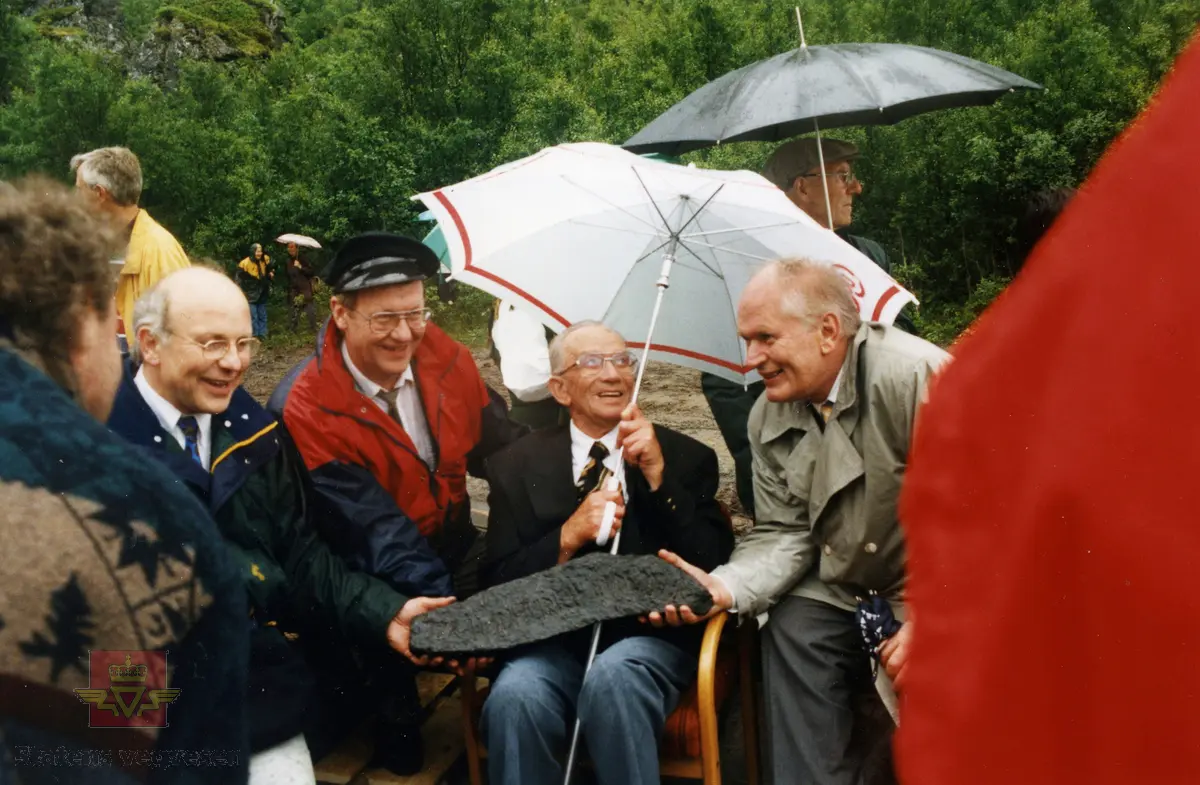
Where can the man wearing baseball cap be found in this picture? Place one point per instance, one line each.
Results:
(795, 168)
(390, 414)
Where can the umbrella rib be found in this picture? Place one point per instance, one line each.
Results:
(620, 229)
(746, 229)
(699, 210)
(618, 207)
(842, 63)
(644, 257)
(725, 249)
(654, 204)
(716, 273)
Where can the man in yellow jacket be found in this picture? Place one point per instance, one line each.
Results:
(113, 177)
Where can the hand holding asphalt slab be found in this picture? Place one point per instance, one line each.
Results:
(571, 596)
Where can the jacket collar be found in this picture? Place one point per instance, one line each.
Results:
(436, 356)
(797, 415)
(239, 427)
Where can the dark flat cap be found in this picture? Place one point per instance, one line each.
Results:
(800, 156)
(379, 259)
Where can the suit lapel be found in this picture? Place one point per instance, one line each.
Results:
(549, 483)
(134, 420)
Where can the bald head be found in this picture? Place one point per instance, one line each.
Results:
(185, 297)
(804, 289)
(193, 339)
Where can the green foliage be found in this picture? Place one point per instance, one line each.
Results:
(371, 101)
(138, 16)
(239, 23)
(52, 15)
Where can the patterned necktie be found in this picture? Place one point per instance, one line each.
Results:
(826, 410)
(191, 437)
(389, 397)
(594, 471)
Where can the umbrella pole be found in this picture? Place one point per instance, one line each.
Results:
(610, 509)
(824, 177)
(817, 126)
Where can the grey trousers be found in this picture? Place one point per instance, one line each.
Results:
(825, 721)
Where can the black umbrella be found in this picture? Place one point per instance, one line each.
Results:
(824, 86)
(817, 87)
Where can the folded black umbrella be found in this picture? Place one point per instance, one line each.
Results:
(593, 588)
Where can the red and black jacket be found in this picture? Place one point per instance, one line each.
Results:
(387, 512)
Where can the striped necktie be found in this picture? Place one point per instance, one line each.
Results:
(594, 472)
(191, 437)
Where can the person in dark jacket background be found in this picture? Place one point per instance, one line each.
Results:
(185, 406)
(390, 415)
(545, 506)
(103, 551)
(254, 275)
(300, 287)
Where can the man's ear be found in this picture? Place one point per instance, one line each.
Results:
(341, 316)
(558, 388)
(149, 345)
(831, 332)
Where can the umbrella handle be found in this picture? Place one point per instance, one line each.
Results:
(610, 514)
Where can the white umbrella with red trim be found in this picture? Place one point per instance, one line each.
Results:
(590, 231)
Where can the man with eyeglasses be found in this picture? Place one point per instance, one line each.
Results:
(184, 405)
(390, 415)
(545, 507)
(795, 168)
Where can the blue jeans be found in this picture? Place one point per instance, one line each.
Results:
(623, 704)
(258, 319)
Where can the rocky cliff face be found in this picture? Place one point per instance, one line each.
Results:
(168, 34)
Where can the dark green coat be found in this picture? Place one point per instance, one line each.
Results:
(256, 492)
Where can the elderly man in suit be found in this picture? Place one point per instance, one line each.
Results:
(829, 441)
(547, 499)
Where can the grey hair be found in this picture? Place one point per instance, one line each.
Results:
(558, 346)
(811, 289)
(150, 312)
(115, 169)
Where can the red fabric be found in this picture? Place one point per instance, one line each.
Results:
(1050, 504)
(453, 395)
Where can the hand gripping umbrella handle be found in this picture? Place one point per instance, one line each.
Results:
(610, 513)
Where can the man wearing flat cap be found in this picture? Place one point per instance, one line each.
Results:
(795, 168)
(390, 414)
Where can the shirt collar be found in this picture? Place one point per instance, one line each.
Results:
(837, 382)
(168, 416)
(365, 385)
(581, 439)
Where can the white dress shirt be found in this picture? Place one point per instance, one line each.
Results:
(168, 417)
(408, 404)
(581, 445)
